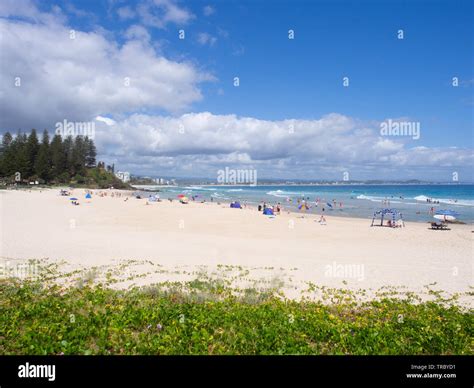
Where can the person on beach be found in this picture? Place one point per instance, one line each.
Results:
(322, 220)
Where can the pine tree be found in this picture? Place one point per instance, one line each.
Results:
(6, 140)
(68, 146)
(32, 148)
(58, 157)
(5, 163)
(19, 154)
(91, 153)
(43, 161)
(78, 156)
(58, 160)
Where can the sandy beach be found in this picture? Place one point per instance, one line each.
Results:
(194, 238)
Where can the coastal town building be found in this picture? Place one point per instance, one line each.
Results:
(124, 176)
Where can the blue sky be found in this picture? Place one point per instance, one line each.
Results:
(281, 79)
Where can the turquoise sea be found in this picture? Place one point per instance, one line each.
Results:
(346, 200)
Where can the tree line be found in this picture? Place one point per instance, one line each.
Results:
(57, 160)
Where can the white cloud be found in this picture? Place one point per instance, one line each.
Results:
(208, 10)
(137, 32)
(126, 13)
(78, 79)
(206, 39)
(238, 50)
(106, 120)
(223, 33)
(299, 148)
(27, 10)
(158, 13)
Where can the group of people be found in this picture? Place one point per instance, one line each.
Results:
(113, 194)
(335, 203)
(276, 209)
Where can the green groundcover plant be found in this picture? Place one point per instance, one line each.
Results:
(206, 318)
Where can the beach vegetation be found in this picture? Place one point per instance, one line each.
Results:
(40, 317)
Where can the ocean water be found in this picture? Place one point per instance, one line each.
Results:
(346, 200)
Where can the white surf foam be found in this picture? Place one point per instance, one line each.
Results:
(454, 202)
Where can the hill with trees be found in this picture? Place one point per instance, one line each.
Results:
(54, 161)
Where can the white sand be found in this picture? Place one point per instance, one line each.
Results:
(293, 249)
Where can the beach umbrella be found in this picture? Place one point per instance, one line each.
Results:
(446, 215)
(181, 196)
(88, 195)
(73, 199)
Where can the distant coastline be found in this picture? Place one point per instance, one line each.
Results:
(264, 184)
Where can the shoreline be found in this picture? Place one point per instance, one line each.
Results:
(330, 212)
(253, 206)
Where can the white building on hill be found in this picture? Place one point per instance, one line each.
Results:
(124, 176)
